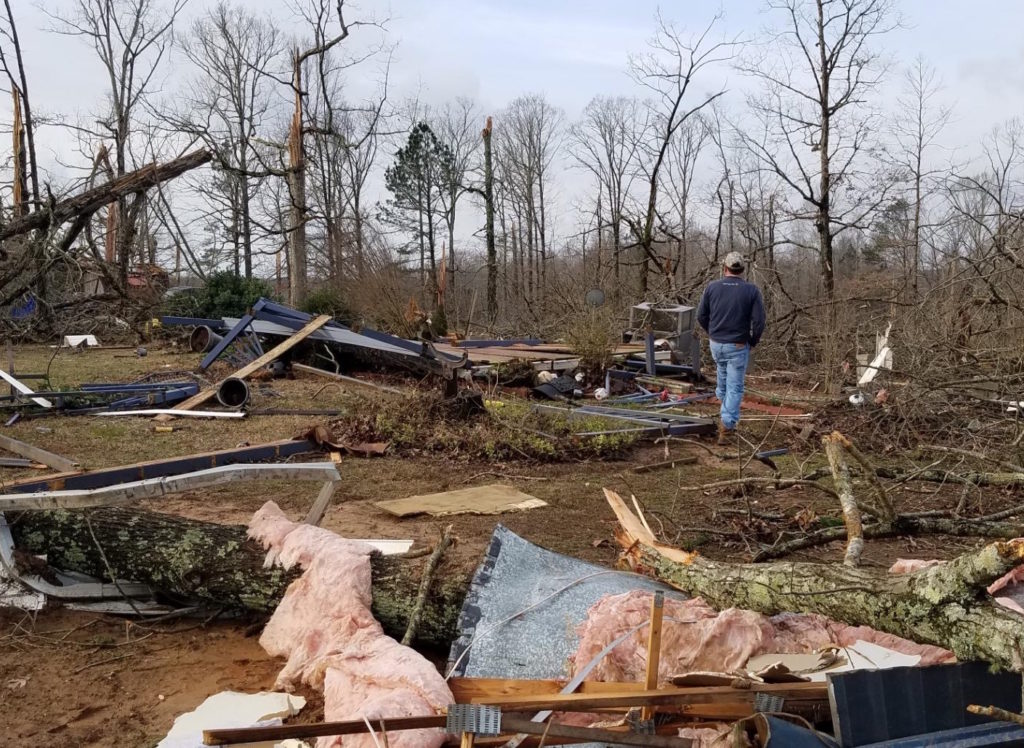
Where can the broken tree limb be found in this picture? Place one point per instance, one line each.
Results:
(1010, 466)
(883, 508)
(945, 605)
(88, 202)
(902, 525)
(1003, 715)
(425, 584)
(1008, 480)
(848, 502)
(186, 559)
(779, 484)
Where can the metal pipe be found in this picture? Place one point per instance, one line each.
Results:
(203, 339)
(233, 392)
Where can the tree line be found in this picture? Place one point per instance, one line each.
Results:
(846, 204)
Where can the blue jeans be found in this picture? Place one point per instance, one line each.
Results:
(732, 360)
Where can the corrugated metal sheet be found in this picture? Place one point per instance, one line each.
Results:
(873, 706)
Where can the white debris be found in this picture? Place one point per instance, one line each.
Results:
(882, 359)
(600, 393)
(73, 341)
(15, 595)
(232, 709)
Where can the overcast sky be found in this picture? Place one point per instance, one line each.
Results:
(573, 49)
(569, 50)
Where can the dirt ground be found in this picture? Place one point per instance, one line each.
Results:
(77, 679)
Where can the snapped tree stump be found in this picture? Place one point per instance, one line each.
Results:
(945, 605)
(189, 560)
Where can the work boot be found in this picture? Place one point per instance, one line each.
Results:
(725, 435)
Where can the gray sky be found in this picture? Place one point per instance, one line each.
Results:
(573, 49)
(570, 50)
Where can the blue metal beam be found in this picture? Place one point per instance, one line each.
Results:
(227, 340)
(213, 324)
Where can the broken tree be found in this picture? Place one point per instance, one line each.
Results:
(217, 564)
(88, 202)
(945, 605)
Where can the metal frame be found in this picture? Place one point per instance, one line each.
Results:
(161, 468)
(155, 488)
(645, 423)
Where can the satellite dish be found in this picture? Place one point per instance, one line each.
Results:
(595, 297)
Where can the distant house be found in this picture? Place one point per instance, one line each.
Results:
(144, 281)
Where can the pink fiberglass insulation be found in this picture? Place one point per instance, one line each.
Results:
(695, 637)
(324, 627)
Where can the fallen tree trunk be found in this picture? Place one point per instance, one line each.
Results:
(189, 560)
(945, 605)
(88, 202)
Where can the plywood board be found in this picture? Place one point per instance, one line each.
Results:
(491, 499)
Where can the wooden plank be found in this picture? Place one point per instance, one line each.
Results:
(234, 736)
(38, 454)
(42, 401)
(654, 648)
(252, 367)
(475, 690)
(156, 487)
(582, 702)
(323, 500)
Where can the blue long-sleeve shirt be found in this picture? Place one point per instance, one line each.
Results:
(732, 311)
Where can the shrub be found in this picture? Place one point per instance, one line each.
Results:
(224, 295)
(329, 301)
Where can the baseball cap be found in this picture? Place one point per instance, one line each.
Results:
(734, 261)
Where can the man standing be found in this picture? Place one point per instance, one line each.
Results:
(732, 312)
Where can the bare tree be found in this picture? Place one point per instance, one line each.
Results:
(919, 120)
(322, 17)
(362, 135)
(529, 130)
(606, 143)
(26, 168)
(227, 103)
(455, 125)
(492, 249)
(131, 38)
(817, 76)
(683, 155)
(667, 71)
